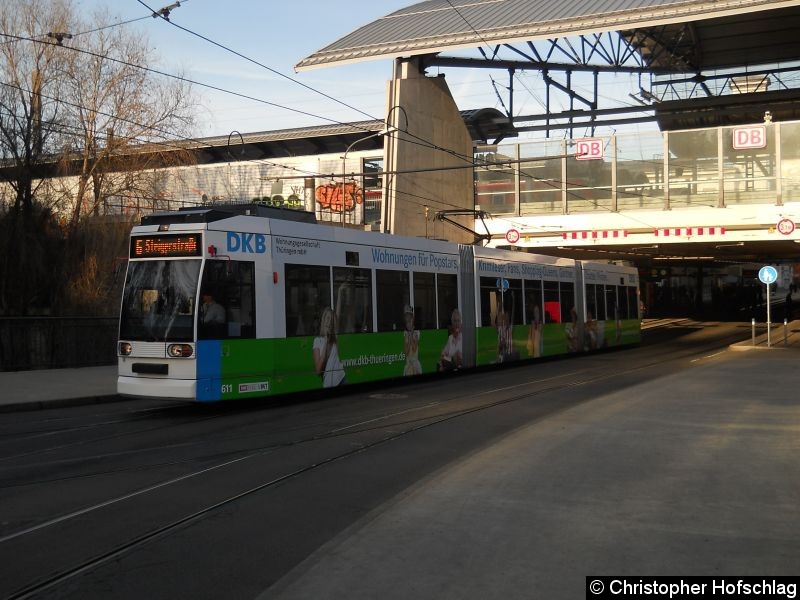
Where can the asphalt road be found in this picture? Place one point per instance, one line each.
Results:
(476, 485)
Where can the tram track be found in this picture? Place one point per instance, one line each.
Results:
(372, 425)
(49, 425)
(94, 440)
(128, 453)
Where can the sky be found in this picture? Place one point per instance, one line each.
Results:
(279, 35)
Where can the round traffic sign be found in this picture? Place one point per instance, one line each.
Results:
(786, 226)
(512, 236)
(768, 274)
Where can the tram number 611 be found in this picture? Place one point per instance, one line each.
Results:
(227, 388)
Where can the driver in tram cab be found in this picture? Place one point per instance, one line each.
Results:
(211, 313)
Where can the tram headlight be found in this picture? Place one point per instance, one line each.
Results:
(125, 348)
(179, 350)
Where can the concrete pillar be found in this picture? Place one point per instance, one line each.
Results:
(424, 112)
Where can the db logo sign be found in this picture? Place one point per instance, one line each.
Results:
(749, 137)
(785, 226)
(512, 236)
(589, 149)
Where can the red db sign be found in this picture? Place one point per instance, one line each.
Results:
(749, 137)
(589, 149)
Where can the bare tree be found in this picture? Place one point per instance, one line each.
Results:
(31, 75)
(76, 100)
(128, 117)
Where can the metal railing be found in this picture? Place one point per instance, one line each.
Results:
(57, 342)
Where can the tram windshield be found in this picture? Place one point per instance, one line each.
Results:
(158, 303)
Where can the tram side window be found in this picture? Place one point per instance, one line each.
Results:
(633, 303)
(496, 301)
(392, 294)
(488, 301)
(595, 302)
(600, 296)
(622, 304)
(552, 308)
(611, 302)
(591, 302)
(589, 298)
(425, 300)
(447, 296)
(352, 296)
(512, 301)
(567, 300)
(533, 301)
(228, 304)
(308, 293)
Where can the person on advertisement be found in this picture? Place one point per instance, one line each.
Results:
(505, 338)
(411, 343)
(451, 356)
(571, 331)
(590, 329)
(326, 351)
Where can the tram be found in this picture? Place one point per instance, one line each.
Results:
(247, 300)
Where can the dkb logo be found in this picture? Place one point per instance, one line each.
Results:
(254, 243)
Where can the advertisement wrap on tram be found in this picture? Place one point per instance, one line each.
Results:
(220, 305)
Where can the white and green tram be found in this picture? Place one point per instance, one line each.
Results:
(246, 300)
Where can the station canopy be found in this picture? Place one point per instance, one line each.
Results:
(723, 32)
(694, 52)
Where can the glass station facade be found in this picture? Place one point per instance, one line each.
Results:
(707, 168)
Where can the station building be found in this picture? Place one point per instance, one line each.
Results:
(698, 203)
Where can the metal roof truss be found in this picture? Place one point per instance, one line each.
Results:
(665, 58)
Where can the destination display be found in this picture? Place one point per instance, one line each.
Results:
(166, 246)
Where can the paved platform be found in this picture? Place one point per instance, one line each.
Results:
(694, 476)
(780, 337)
(49, 388)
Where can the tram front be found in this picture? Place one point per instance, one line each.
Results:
(157, 347)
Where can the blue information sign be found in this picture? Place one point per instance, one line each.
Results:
(502, 284)
(768, 274)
